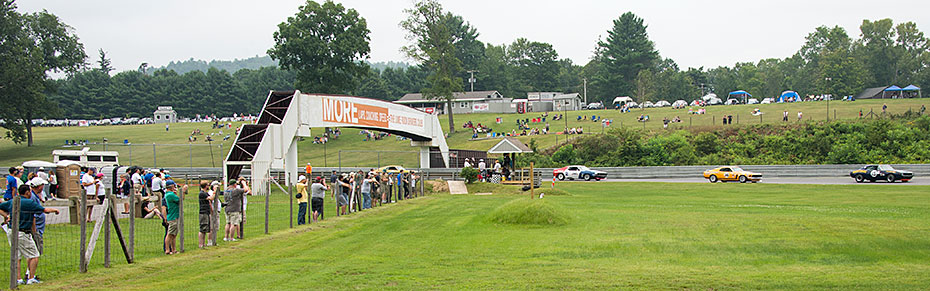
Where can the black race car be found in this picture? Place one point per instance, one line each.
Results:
(874, 173)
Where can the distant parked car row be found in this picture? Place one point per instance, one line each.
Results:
(124, 121)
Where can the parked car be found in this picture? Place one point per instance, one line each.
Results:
(578, 172)
(874, 173)
(752, 101)
(767, 101)
(648, 104)
(731, 173)
(714, 101)
(662, 103)
(393, 169)
(732, 102)
(595, 105)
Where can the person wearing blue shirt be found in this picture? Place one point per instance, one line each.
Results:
(400, 185)
(12, 183)
(26, 245)
(37, 185)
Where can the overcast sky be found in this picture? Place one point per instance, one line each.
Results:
(693, 33)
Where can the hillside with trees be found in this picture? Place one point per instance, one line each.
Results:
(625, 62)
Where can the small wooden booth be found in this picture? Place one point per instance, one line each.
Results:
(510, 148)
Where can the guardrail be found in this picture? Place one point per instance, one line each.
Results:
(619, 172)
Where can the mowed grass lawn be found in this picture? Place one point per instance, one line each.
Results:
(619, 235)
(394, 151)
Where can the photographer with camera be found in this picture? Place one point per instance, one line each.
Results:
(235, 200)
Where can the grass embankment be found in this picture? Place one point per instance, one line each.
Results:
(399, 151)
(620, 235)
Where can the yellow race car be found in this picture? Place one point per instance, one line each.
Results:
(731, 173)
(392, 169)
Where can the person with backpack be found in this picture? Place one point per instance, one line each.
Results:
(234, 196)
(302, 199)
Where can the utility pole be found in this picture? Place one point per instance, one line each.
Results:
(828, 79)
(585, 91)
(471, 79)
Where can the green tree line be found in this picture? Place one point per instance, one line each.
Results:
(903, 139)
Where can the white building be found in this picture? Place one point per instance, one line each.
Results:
(165, 114)
(462, 102)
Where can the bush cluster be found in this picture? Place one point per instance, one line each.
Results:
(901, 140)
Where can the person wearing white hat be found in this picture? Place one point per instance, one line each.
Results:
(302, 199)
(40, 173)
(37, 184)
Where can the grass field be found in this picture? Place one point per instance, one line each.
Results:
(400, 152)
(617, 235)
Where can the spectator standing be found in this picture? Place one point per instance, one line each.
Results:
(90, 189)
(400, 186)
(800, 115)
(342, 199)
(172, 203)
(205, 198)
(44, 176)
(37, 185)
(317, 193)
(234, 196)
(125, 189)
(785, 116)
(26, 247)
(366, 191)
(302, 199)
(137, 182)
(12, 183)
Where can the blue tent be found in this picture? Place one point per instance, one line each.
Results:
(891, 89)
(789, 94)
(912, 88)
(739, 94)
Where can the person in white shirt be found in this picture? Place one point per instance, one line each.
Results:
(481, 170)
(137, 182)
(90, 189)
(467, 164)
(44, 176)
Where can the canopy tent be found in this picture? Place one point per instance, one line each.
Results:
(739, 94)
(893, 91)
(911, 88)
(623, 99)
(789, 94)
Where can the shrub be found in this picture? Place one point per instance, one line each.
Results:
(469, 174)
(529, 212)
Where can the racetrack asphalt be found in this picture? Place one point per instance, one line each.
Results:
(780, 180)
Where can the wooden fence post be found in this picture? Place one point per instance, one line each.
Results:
(14, 241)
(83, 218)
(267, 200)
(132, 226)
(106, 236)
(182, 193)
(290, 199)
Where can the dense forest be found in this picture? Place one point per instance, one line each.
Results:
(625, 63)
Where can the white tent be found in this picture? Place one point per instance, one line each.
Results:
(708, 97)
(680, 104)
(662, 103)
(623, 99)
